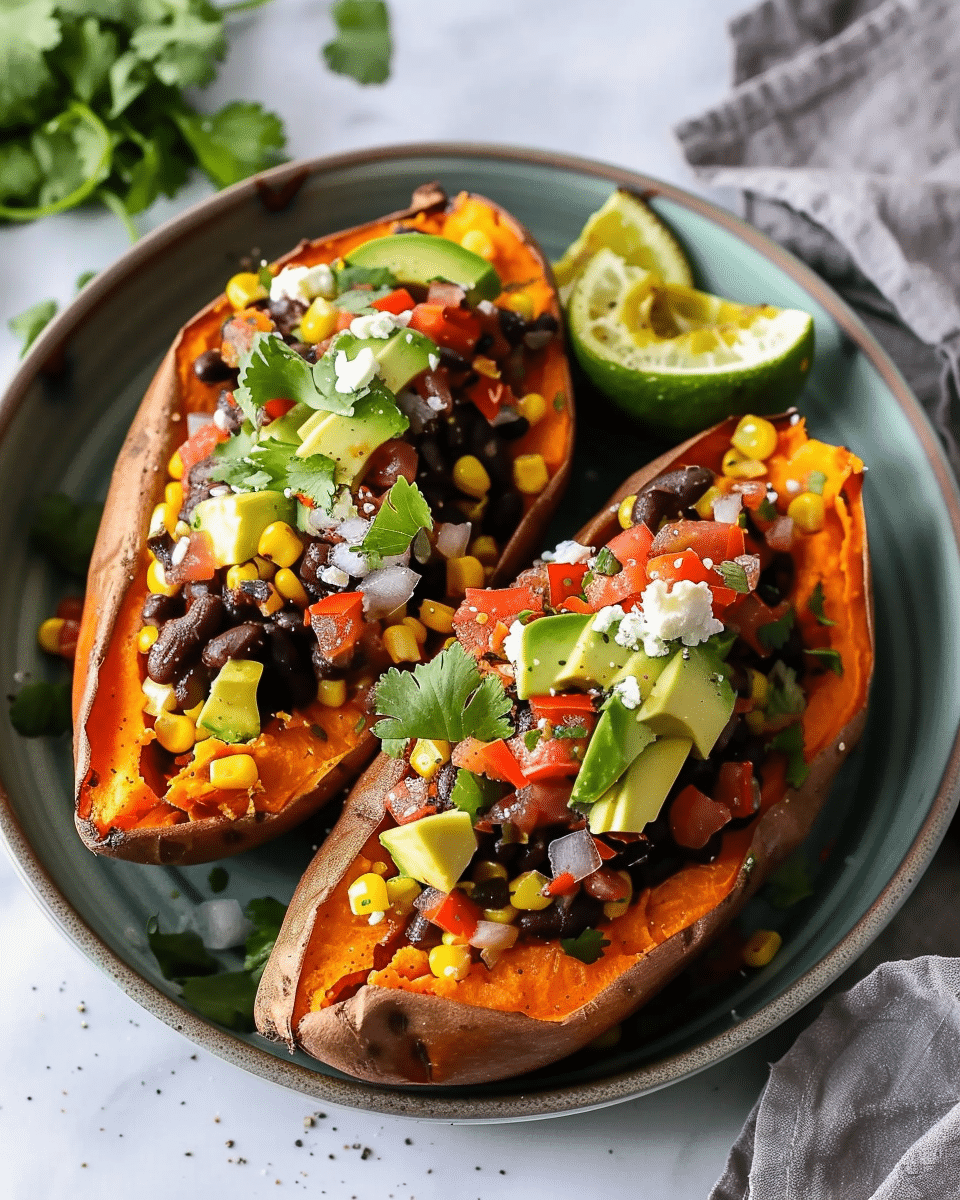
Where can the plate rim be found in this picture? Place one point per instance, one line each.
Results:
(570, 1098)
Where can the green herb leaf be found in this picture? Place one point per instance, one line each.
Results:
(84, 278)
(776, 634)
(85, 55)
(349, 277)
(402, 515)
(789, 883)
(785, 696)
(267, 916)
(357, 299)
(559, 402)
(570, 731)
(815, 604)
(226, 999)
(41, 709)
(734, 576)
(445, 698)
(237, 141)
(28, 325)
(26, 31)
(394, 747)
(587, 946)
(179, 955)
(313, 477)
(790, 741)
(531, 739)
(607, 563)
(830, 659)
(362, 47)
(272, 369)
(816, 482)
(471, 793)
(218, 879)
(766, 510)
(65, 531)
(20, 173)
(182, 43)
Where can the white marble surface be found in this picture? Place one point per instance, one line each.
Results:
(98, 1098)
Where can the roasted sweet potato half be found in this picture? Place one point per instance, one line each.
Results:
(652, 725)
(344, 439)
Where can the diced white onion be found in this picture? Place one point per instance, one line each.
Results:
(493, 935)
(386, 589)
(221, 924)
(727, 508)
(344, 559)
(574, 854)
(453, 539)
(196, 421)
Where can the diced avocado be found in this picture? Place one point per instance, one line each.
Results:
(543, 648)
(350, 441)
(644, 669)
(593, 662)
(692, 698)
(637, 798)
(235, 522)
(287, 427)
(420, 257)
(230, 712)
(435, 850)
(403, 356)
(617, 740)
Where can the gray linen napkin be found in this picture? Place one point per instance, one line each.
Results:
(843, 131)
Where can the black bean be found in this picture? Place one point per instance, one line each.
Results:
(157, 609)
(665, 497)
(182, 639)
(323, 668)
(286, 314)
(452, 360)
(291, 621)
(511, 426)
(491, 893)
(545, 924)
(579, 912)
(242, 641)
(291, 668)
(314, 560)
(540, 332)
(161, 547)
(192, 687)
(503, 515)
(505, 852)
(446, 778)
(231, 418)
(512, 325)
(257, 589)
(209, 367)
(432, 457)
(423, 933)
(197, 588)
(533, 854)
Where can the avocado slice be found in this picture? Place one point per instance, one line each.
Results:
(644, 669)
(230, 712)
(617, 740)
(402, 356)
(543, 647)
(350, 441)
(235, 522)
(286, 428)
(637, 798)
(593, 662)
(692, 698)
(421, 257)
(435, 850)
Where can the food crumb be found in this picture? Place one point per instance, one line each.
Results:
(229, 1143)
(367, 1152)
(308, 1122)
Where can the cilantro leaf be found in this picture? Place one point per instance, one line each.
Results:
(785, 696)
(830, 659)
(445, 698)
(29, 324)
(734, 576)
(313, 477)
(237, 141)
(587, 946)
(183, 44)
(789, 883)
(607, 563)
(815, 604)
(179, 955)
(402, 515)
(20, 173)
(41, 709)
(531, 739)
(272, 369)
(26, 31)
(766, 510)
(775, 635)
(65, 531)
(218, 879)
(226, 999)
(349, 277)
(393, 747)
(790, 741)
(85, 55)
(570, 731)
(267, 916)
(472, 792)
(362, 47)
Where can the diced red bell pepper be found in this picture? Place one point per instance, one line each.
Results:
(456, 328)
(575, 605)
(630, 548)
(671, 568)
(493, 759)
(606, 852)
(490, 395)
(716, 540)
(695, 818)
(534, 806)
(476, 619)
(563, 885)
(565, 580)
(557, 709)
(397, 301)
(338, 623)
(278, 407)
(344, 320)
(734, 788)
(753, 491)
(195, 449)
(551, 757)
(454, 912)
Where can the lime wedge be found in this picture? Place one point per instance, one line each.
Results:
(631, 229)
(677, 359)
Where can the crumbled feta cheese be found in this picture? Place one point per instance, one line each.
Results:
(221, 420)
(628, 689)
(222, 489)
(486, 307)
(434, 361)
(334, 577)
(180, 551)
(607, 617)
(303, 283)
(727, 508)
(375, 918)
(793, 486)
(511, 643)
(708, 563)
(374, 325)
(684, 612)
(568, 552)
(435, 403)
(353, 374)
(632, 632)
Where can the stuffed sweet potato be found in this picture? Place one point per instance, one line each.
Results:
(593, 781)
(329, 454)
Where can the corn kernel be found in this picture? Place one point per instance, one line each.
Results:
(477, 242)
(418, 629)
(158, 697)
(454, 939)
(235, 771)
(607, 1040)
(463, 573)
(473, 510)
(759, 687)
(396, 616)
(175, 466)
(761, 947)
(401, 644)
(486, 366)
(470, 476)
(158, 521)
(241, 573)
(48, 635)
(201, 733)
(450, 962)
(807, 512)
(332, 693)
(181, 530)
(737, 466)
(704, 506)
(756, 720)
(272, 604)
(503, 916)
(755, 437)
(467, 886)
(290, 587)
(428, 756)
(519, 302)
(485, 549)
(451, 641)
(175, 732)
(173, 495)
(401, 892)
(280, 543)
(157, 581)
(265, 568)
(146, 637)
(526, 892)
(530, 474)
(379, 868)
(488, 869)
(532, 406)
(244, 289)
(368, 894)
(616, 908)
(318, 322)
(625, 512)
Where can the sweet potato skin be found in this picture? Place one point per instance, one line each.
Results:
(116, 812)
(401, 1038)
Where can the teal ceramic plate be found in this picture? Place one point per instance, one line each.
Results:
(61, 429)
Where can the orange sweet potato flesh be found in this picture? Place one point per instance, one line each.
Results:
(406, 1027)
(124, 808)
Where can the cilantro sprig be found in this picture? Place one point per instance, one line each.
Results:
(445, 698)
(588, 946)
(775, 635)
(402, 515)
(815, 603)
(362, 47)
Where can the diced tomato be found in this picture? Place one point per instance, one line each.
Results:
(695, 818)
(534, 806)
(456, 328)
(753, 491)
(750, 615)
(670, 568)
(278, 407)
(238, 333)
(716, 540)
(338, 623)
(604, 850)
(476, 620)
(565, 580)
(630, 548)
(397, 301)
(734, 788)
(563, 885)
(70, 608)
(198, 563)
(557, 709)
(454, 912)
(408, 801)
(606, 884)
(195, 449)
(551, 757)
(490, 395)
(344, 320)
